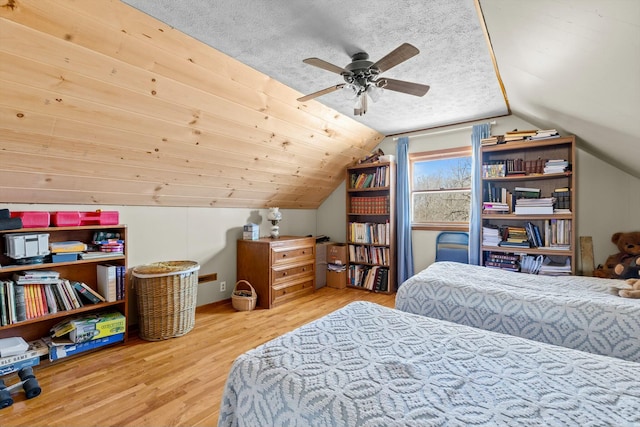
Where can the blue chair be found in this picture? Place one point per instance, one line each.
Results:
(453, 246)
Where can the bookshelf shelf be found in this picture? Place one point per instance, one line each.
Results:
(370, 212)
(82, 270)
(557, 238)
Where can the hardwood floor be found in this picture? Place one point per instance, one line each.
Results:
(176, 382)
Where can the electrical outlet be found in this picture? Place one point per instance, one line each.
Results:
(223, 286)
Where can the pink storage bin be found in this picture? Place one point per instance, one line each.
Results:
(32, 219)
(65, 218)
(100, 218)
(73, 218)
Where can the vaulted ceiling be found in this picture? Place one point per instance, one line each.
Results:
(194, 103)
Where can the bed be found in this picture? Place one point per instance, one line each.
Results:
(571, 311)
(369, 365)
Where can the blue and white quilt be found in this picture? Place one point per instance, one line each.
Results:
(369, 365)
(572, 311)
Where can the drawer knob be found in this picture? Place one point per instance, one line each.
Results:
(284, 274)
(284, 255)
(304, 268)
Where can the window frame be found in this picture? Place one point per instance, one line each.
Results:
(447, 153)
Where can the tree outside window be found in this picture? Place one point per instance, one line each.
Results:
(441, 189)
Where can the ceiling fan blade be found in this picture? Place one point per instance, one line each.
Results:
(321, 92)
(416, 89)
(396, 56)
(320, 63)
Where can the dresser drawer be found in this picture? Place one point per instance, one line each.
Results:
(292, 289)
(281, 255)
(281, 273)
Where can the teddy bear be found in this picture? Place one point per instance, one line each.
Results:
(633, 291)
(624, 264)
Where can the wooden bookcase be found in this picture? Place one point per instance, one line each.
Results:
(533, 155)
(79, 270)
(371, 222)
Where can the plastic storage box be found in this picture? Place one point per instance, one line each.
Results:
(26, 245)
(74, 218)
(33, 219)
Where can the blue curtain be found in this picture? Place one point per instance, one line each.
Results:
(403, 195)
(475, 220)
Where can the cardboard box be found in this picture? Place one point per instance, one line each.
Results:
(337, 254)
(60, 351)
(337, 279)
(88, 328)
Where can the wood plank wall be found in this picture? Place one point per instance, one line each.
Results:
(103, 104)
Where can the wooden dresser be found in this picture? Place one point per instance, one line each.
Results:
(280, 269)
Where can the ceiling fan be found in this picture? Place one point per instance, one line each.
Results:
(362, 78)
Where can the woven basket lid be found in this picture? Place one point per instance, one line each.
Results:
(165, 268)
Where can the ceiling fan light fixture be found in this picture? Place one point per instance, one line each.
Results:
(350, 91)
(374, 92)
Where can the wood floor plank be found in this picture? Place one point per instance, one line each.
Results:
(176, 382)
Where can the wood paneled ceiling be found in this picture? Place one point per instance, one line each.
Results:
(102, 104)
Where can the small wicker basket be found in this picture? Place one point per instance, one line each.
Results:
(167, 294)
(244, 300)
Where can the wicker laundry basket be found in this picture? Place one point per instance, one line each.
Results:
(167, 294)
(244, 300)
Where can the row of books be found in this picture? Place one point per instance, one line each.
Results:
(111, 281)
(370, 205)
(513, 167)
(379, 178)
(374, 278)
(554, 234)
(20, 302)
(369, 254)
(369, 232)
(525, 201)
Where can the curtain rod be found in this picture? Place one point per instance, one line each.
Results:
(441, 131)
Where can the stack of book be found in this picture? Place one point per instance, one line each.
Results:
(541, 206)
(545, 134)
(555, 166)
(508, 262)
(495, 207)
(556, 266)
(514, 237)
(26, 358)
(517, 135)
(491, 235)
(492, 140)
(66, 251)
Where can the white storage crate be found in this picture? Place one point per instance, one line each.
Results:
(26, 245)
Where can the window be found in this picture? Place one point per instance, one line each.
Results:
(441, 189)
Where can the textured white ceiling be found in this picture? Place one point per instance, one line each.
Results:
(275, 36)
